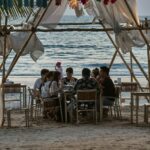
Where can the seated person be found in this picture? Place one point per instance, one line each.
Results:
(53, 90)
(86, 82)
(95, 73)
(83, 84)
(46, 85)
(107, 88)
(39, 82)
(69, 78)
(54, 87)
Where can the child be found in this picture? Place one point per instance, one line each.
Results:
(58, 68)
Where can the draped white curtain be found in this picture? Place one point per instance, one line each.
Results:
(34, 47)
(117, 15)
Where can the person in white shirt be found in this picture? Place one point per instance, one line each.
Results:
(38, 83)
(52, 92)
(45, 88)
(55, 87)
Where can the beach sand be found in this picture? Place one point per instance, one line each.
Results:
(49, 135)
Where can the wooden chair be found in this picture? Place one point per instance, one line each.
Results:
(86, 96)
(15, 89)
(115, 109)
(10, 89)
(146, 112)
(35, 104)
(42, 107)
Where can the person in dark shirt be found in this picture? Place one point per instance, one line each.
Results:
(83, 84)
(86, 82)
(69, 79)
(107, 87)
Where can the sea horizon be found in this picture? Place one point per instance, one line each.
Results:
(77, 50)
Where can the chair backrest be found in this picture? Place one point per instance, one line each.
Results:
(34, 97)
(87, 95)
(117, 91)
(129, 87)
(12, 88)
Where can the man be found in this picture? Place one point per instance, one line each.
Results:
(69, 78)
(86, 82)
(40, 81)
(107, 88)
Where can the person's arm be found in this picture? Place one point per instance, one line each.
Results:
(35, 85)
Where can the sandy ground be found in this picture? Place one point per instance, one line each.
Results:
(110, 134)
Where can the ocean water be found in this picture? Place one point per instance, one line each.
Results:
(77, 50)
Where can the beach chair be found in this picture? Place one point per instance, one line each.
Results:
(86, 96)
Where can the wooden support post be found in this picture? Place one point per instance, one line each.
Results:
(134, 77)
(3, 74)
(148, 59)
(113, 58)
(17, 56)
(143, 36)
(9, 118)
(131, 65)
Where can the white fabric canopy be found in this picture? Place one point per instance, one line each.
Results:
(115, 15)
(34, 47)
(53, 14)
(112, 15)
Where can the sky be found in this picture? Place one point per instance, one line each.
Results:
(143, 8)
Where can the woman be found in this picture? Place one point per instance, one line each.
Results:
(46, 86)
(54, 87)
(51, 103)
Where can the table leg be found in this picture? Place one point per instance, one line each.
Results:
(132, 105)
(101, 108)
(25, 94)
(137, 109)
(65, 104)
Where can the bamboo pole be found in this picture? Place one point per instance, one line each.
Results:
(132, 73)
(73, 29)
(142, 34)
(1, 65)
(135, 59)
(25, 44)
(113, 58)
(131, 65)
(3, 73)
(89, 23)
(139, 65)
(148, 58)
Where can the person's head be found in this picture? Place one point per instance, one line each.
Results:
(95, 72)
(86, 73)
(44, 72)
(56, 76)
(104, 72)
(69, 72)
(49, 76)
(58, 64)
